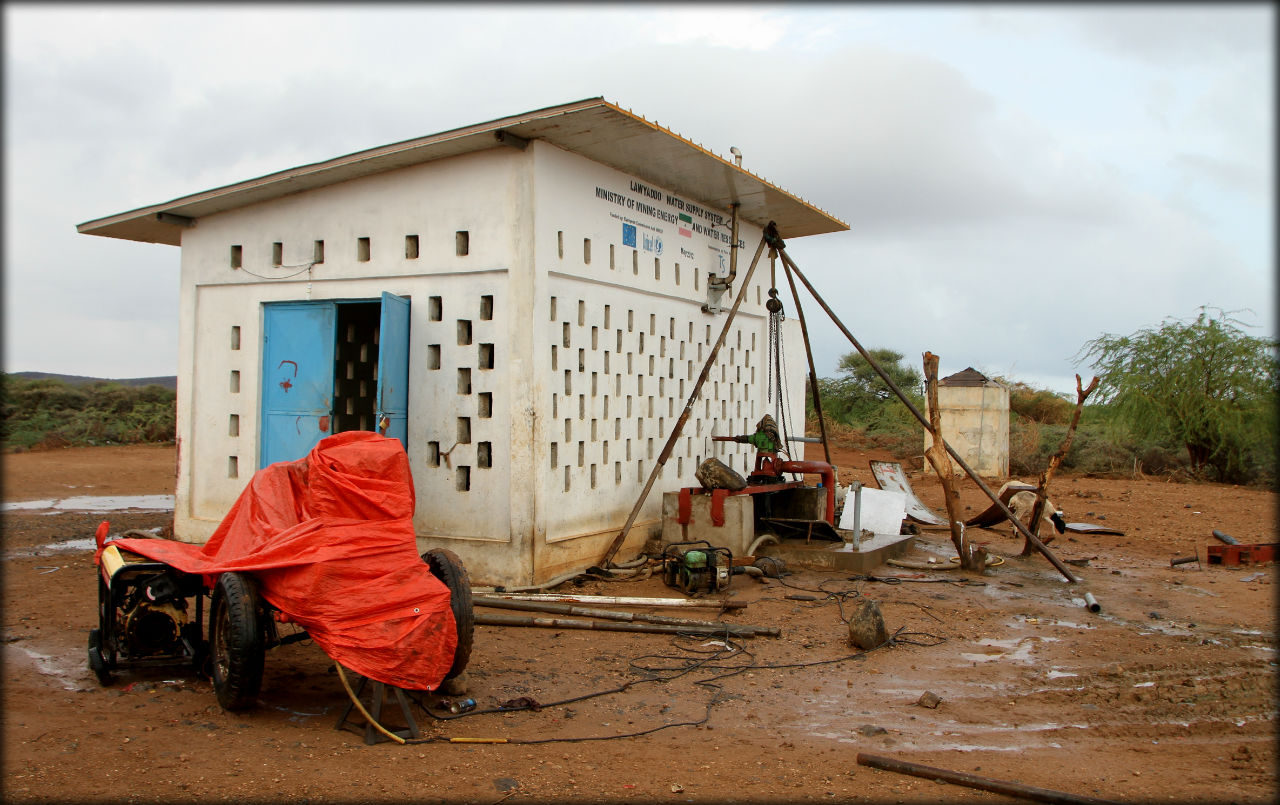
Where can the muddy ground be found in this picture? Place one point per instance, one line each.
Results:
(1166, 694)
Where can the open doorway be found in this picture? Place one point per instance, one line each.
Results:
(355, 370)
(330, 367)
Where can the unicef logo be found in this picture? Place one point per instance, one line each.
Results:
(657, 245)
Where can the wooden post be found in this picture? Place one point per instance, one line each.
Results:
(937, 455)
(1042, 487)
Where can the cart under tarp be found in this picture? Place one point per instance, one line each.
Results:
(329, 539)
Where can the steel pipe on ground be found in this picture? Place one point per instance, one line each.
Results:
(613, 615)
(617, 600)
(977, 781)
(495, 619)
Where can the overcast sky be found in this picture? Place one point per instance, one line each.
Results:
(1018, 179)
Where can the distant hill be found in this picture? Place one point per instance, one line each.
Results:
(170, 382)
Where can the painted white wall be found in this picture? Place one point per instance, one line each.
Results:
(636, 342)
(433, 201)
(528, 213)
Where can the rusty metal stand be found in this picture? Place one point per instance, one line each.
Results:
(371, 735)
(789, 264)
(808, 354)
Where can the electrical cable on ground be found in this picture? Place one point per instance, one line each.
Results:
(675, 666)
(840, 596)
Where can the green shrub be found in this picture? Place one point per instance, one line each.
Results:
(1038, 405)
(51, 413)
(1204, 384)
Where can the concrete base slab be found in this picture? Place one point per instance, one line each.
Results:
(871, 553)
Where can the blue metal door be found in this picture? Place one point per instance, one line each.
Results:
(297, 378)
(393, 368)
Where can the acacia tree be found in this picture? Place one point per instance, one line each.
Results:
(1205, 384)
(859, 397)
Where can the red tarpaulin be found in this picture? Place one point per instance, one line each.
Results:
(329, 538)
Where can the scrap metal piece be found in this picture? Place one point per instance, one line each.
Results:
(890, 476)
(1090, 528)
(1242, 554)
(992, 514)
(1227, 538)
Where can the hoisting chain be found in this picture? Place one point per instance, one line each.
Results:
(776, 367)
(773, 337)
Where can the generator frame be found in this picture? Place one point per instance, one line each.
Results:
(137, 595)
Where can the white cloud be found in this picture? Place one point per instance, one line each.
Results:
(1018, 180)
(720, 26)
(1184, 33)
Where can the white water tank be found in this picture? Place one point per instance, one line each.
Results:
(975, 422)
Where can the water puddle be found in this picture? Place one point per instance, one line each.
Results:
(93, 504)
(962, 747)
(77, 544)
(1168, 631)
(83, 544)
(55, 668)
(956, 687)
(1072, 624)
(1017, 649)
(1029, 620)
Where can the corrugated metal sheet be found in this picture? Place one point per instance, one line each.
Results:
(594, 128)
(967, 377)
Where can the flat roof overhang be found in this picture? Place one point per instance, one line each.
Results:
(594, 128)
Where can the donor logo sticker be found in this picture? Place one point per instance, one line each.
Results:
(629, 235)
(652, 243)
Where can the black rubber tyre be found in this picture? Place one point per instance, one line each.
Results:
(97, 662)
(235, 641)
(446, 566)
(106, 611)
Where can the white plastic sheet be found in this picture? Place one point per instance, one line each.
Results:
(882, 511)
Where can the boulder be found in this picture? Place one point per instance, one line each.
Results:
(866, 625)
(715, 474)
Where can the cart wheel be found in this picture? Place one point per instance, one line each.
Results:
(97, 662)
(235, 639)
(106, 619)
(446, 566)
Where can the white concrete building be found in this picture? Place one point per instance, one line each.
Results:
(521, 302)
